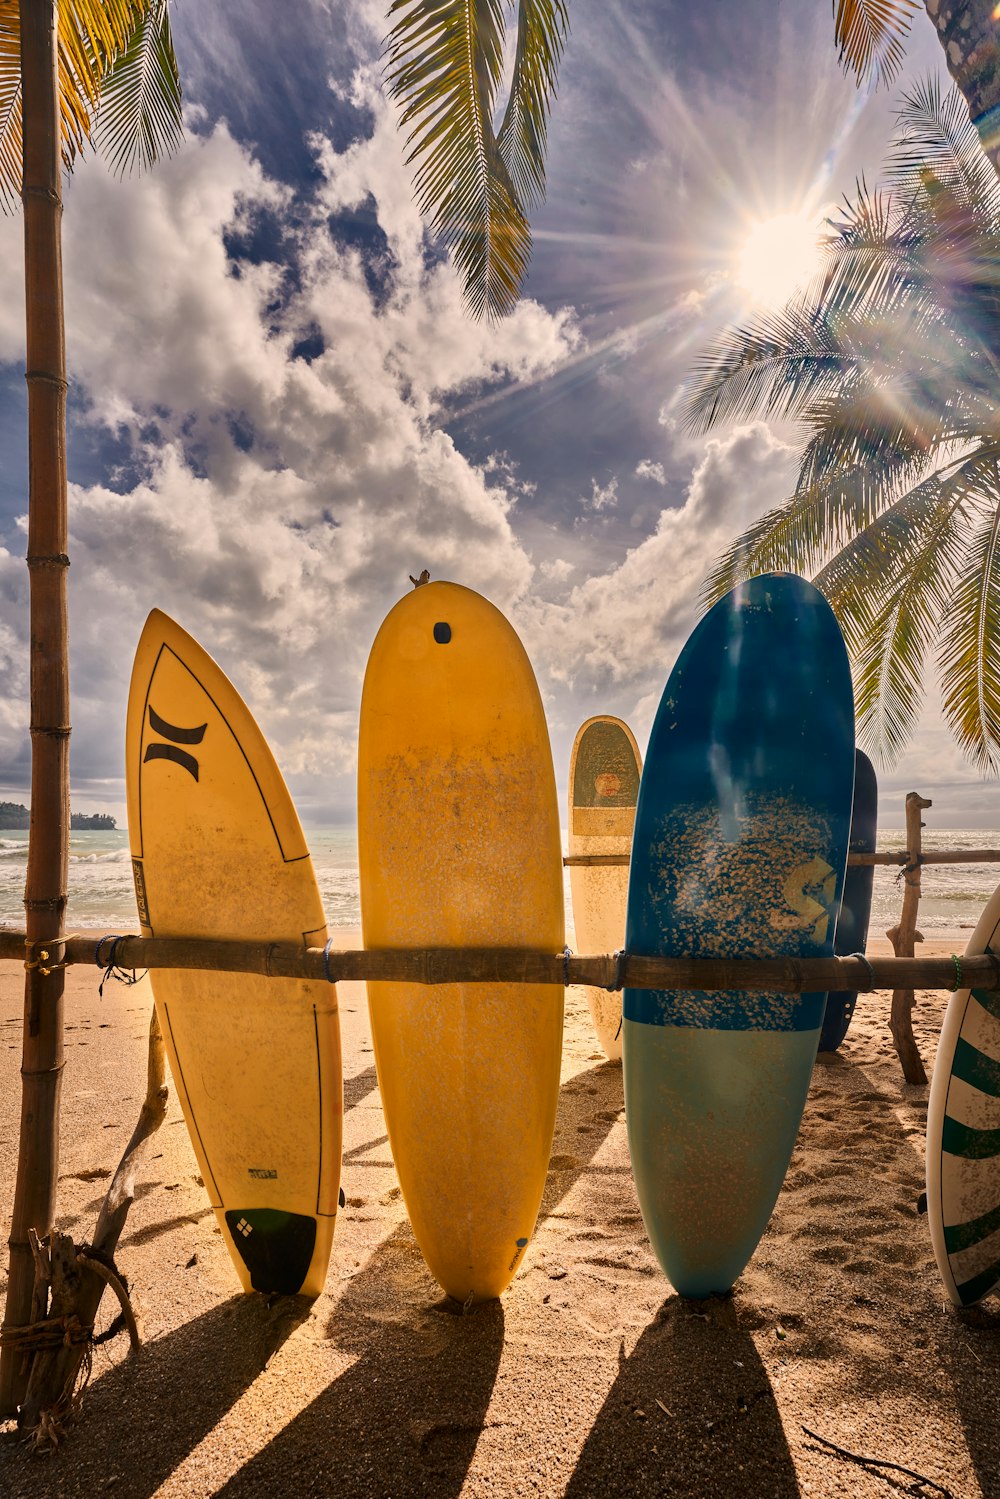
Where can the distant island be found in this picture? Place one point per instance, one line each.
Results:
(14, 816)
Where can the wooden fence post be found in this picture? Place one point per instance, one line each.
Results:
(903, 938)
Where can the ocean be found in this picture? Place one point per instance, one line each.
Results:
(101, 894)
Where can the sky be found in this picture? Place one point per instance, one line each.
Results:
(280, 408)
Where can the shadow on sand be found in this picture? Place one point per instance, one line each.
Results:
(406, 1416)
(692, 1413)
(141, 1419)
(403, 1419)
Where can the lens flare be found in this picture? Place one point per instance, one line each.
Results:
(780, 255)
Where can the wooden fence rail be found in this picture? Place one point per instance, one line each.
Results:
(458, 965)
(935, 856)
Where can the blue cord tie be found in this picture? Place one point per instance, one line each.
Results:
(326, 961)
(111, 968)
(871, 972)
(618, 982)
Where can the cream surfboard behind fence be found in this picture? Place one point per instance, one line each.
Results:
(604, 772)
(218, 852)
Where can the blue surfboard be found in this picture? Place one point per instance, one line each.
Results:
(856, 907)
(739, 850)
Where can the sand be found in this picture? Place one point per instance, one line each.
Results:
(589, 1377)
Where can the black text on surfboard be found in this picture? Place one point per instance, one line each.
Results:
(177, 737)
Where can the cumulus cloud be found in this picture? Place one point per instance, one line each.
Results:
(622, 629)
(647, 469)
(602, 497)
(274, 504)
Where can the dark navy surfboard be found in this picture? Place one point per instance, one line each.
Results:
(739, 850)
(856, 907)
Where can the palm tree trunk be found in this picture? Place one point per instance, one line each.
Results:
(48, 839)
(968, 32)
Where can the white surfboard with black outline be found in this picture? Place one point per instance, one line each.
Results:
(218, 852)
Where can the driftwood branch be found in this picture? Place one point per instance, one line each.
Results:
(878, 1462)
(77, 1276)
(903, 938)
(517, 965)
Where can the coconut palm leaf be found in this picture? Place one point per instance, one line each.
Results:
(445, 64)
(10, 103)
(542, 28)
(139, 118)
(796, 535)
(774, 365)
(936, 135)
(870, 35)
(868, 251)
(889, 588)
(94, 35)
(969, 655)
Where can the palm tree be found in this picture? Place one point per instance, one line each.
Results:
(446, 65)
(100, 71)
(871, 36)
(890, 365)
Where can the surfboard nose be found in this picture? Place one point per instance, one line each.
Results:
(276, 1247)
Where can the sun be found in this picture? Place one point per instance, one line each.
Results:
(779, 256)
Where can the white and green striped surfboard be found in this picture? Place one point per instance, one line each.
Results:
(963, 1133)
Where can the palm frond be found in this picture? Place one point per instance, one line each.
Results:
(542, 28)
(935, 135)
(795, 535)
(889, 589)
(139, 118)
(871, 256)
(890, 422)
(772, 366)
(445, 62)
(969, 655)
(99, 42)
(10, 105)
(870, 36)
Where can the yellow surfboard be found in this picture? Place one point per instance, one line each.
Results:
(217, 852)
(604, 772)
(459, 844)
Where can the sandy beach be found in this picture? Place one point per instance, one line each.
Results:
(589, 1377)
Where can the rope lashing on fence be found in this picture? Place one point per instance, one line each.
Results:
(38, 954)
(112, 968)
(871, 984)
(489, 965)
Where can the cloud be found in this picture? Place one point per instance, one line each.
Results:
(647, 469)
(602, 498)
(274, 504)
(622, 629)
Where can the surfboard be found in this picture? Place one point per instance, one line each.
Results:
(459, 845)
(856, 906)
(604, 770)
(739, 850)
(217, 852)
(963, 1133)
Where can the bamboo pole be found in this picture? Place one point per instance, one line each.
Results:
(48, 839)
(499, 965)
(903, 937)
